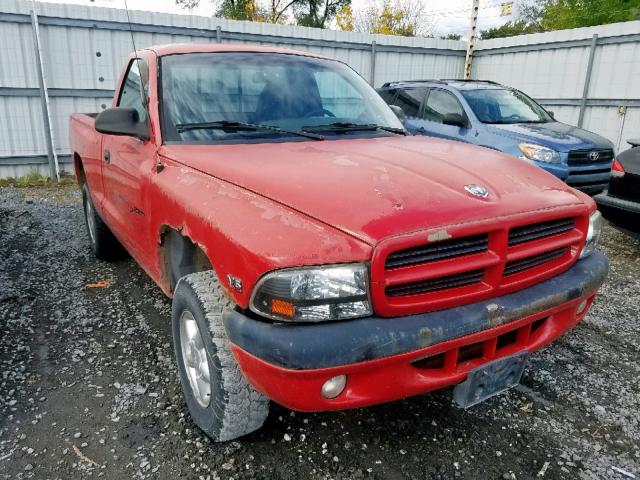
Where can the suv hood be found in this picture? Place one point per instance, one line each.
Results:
(556, 135)
(375, 188)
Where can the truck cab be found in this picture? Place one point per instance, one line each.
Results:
(491, 115)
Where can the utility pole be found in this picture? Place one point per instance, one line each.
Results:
(472, 38)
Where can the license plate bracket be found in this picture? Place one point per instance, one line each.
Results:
(490, 379)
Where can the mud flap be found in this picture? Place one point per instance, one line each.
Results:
(490, 379)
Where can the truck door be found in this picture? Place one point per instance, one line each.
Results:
(439, 103)
(127, 166)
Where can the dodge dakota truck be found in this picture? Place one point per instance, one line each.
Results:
(318, 255)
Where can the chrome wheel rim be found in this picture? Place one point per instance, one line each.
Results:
(91, 219)
(194, 358)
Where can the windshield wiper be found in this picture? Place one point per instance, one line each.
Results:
(352, 127)
(232, 126)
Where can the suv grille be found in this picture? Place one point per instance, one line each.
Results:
(420, 276)
(582, 157)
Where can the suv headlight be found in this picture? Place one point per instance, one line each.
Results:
(539, 153)
(593, 234)
(313, 294)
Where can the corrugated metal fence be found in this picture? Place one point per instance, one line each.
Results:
(83, 48)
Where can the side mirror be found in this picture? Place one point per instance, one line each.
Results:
(454, 119)
(399, 112)
(634, 142)
(550, 112)
(122, 121)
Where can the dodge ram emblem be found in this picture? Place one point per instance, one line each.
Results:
(477, 191)
(593, 156)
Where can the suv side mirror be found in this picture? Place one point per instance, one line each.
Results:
(550, 112)
(454, 119)
(634, 142)
(122, 121)
(399, 112)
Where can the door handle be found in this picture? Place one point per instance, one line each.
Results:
(107, 156)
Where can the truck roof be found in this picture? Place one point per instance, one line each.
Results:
(181, 48)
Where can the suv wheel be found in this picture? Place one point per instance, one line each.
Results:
(221, 401)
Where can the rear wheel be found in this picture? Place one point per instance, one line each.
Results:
(104, 244)
(221, 401)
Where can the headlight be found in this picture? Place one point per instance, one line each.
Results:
(593, 234)
(539, 153)
(313, 294)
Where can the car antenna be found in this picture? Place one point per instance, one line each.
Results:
(143, 93)
(135, 51)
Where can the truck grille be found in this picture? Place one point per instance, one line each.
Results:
(441, 283)
(410, 275)
(536, 231)
(516, 266)
(583, 157)
(438, 251)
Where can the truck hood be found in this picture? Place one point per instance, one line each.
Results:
(375, 188)
(555, 135)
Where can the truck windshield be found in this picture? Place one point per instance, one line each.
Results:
(504, 106)
(229, 96)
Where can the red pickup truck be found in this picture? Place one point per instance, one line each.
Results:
(317, 254)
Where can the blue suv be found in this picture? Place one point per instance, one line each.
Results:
(494, 116)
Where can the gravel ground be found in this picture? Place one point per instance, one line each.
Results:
(89, 387)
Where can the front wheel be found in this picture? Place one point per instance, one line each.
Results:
(221, 401)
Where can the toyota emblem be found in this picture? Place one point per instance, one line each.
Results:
(477, 191)
(593, 156)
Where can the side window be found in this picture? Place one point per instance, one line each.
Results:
(440, 103)
(409, 101)
(131, 93)
(388, 95)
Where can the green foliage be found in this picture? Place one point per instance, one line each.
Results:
(451, 36)
(318, 13)
(547, 15)
(561, 14)
(242, 10)
(510, 29)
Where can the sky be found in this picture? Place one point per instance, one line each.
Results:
(452, 15)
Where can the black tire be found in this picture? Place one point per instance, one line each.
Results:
(104, 244)
(234, 407)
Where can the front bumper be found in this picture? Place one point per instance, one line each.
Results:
(390, 358)
(623, 213)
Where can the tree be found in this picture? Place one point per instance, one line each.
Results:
(318, 13)
(344, 19)
(188, 4)
(397, 17)
(561, 14)
(546, 15)
(451, 36)
(510, 29)
(241, 10)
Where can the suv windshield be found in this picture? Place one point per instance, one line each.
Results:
(504, 106)
(234, 96)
